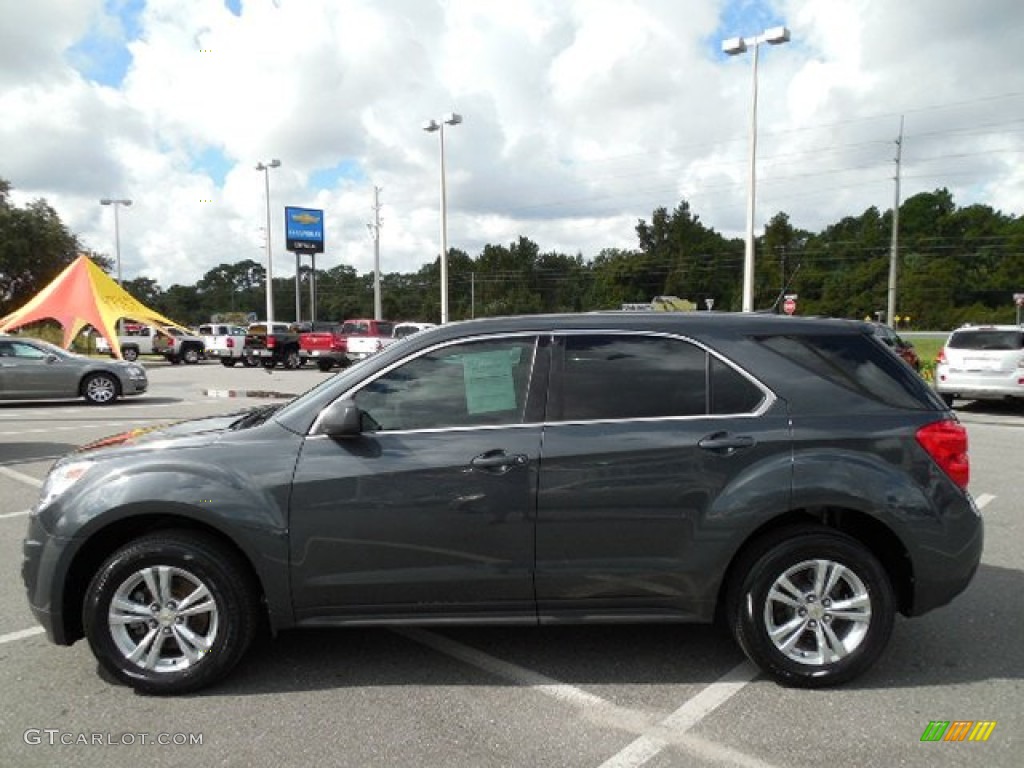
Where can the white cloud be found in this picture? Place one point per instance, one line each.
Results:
(581, 116)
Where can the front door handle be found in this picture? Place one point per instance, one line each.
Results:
(499, 461)
(725, 443)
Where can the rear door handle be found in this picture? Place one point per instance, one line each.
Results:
(726, 444)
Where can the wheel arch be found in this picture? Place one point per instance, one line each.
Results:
(105, 541)
(866, 529)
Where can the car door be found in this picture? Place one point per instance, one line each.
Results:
(646, 439)
(431, 510)
(31, 372)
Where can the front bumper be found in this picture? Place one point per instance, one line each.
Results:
(43, 559)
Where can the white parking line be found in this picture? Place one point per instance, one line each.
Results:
(21, 477)
(654, 737)
(21, 634)
(984, 499)
(22, 513)
(683, 719)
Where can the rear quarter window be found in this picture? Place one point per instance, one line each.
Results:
(857, 363)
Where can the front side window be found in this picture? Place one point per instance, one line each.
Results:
(469, 384)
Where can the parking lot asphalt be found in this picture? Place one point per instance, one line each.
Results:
(587, 697)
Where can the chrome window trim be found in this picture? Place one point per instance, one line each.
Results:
(769, 399)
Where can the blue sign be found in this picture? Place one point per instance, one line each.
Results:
(304, 230)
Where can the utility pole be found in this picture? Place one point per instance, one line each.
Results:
(375, 231)
(894, 248)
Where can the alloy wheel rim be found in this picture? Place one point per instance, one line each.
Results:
(817, 612)
(101, 389)
(163, 619)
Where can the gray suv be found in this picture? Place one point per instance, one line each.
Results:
(789, 477)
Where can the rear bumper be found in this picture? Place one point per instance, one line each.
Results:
(980, 385)
(951, 560)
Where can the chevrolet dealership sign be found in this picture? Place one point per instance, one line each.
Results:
(304, 230)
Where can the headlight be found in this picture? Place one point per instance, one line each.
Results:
(136, 372)
(61, 479)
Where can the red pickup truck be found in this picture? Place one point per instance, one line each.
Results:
(324, 344)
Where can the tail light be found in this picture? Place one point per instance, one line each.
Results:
(941, 358)
(946, 443)
(270, 341)
(231, 343)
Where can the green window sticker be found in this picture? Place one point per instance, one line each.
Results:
(490, 385)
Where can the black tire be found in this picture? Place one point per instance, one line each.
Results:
(131, 354)
(190, 355)
(947, 399)
(228, 362)
(173, 359)
(216, 638)
(292, 359)
(100, 388)
(325, 365)
(826, 648)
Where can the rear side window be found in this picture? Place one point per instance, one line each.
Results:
(854, 362)
(634, 377)
(995, 340)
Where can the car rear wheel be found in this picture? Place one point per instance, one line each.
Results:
(325, 365)
(170, 612)
(812, 607)
(947, 399)
(190, 355)
(100, 389)
(228, 362)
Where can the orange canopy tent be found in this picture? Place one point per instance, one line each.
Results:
(83, 294)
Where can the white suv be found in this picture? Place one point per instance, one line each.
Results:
(982, 362)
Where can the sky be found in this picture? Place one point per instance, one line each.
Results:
(580, 117)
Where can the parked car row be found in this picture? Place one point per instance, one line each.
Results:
(289, 345)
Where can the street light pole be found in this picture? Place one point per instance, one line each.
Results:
(265, 168)
(734, 46)
(430, 126)
(117, 229)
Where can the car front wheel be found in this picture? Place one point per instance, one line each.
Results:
(813, 607)
(190, 355)
(170, 613)
(100, 389)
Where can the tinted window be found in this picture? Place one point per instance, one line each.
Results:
(731, 391)
(629, 377)
(856, 363)
(468, 384)
(988, 339)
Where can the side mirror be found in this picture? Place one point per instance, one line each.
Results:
(342, 418)
(50, 359)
